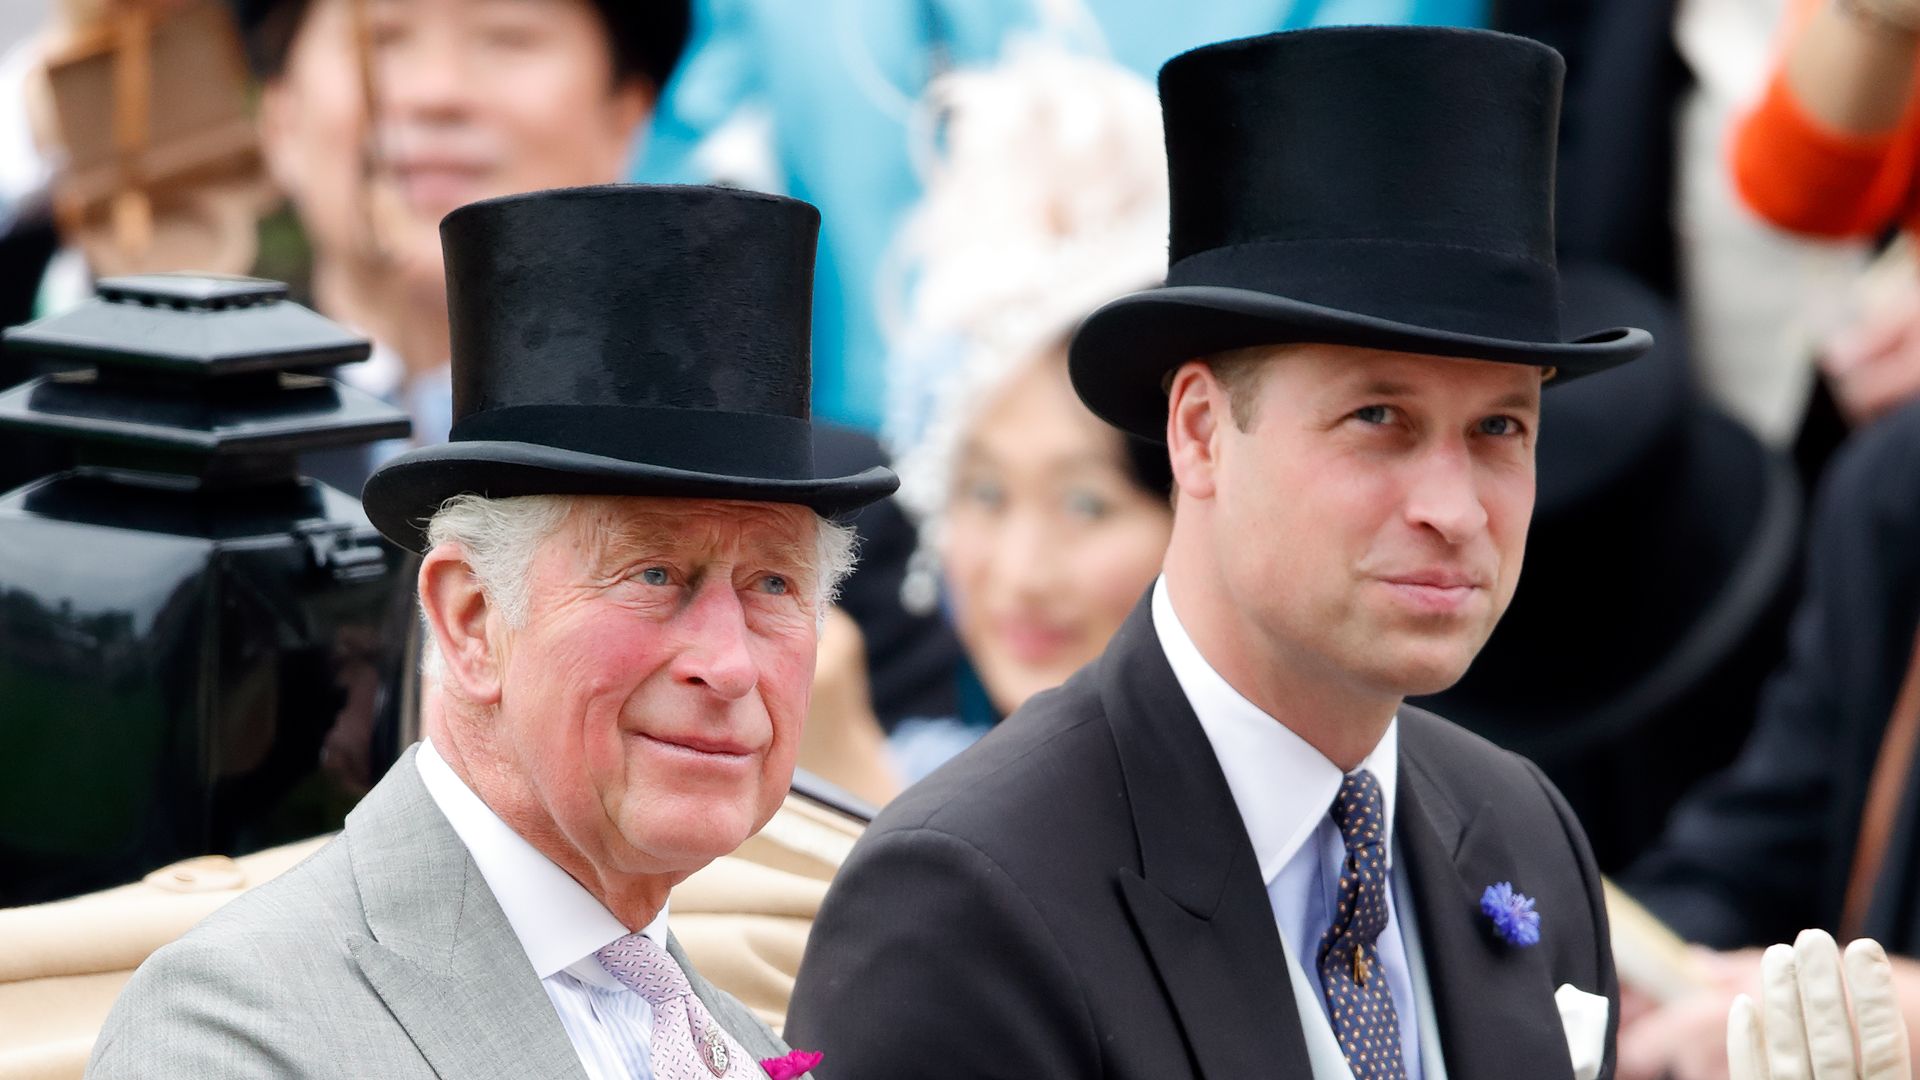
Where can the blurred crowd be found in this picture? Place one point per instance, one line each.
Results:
(1713, 649)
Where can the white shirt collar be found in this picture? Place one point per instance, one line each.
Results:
(558, 922)
(1282, 785)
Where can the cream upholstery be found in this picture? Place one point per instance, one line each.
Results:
(61, 964)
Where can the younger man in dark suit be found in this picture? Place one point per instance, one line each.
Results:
(1225, 849)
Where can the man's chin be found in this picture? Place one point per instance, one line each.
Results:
(1430, 670)
(687, 850)
(692, 829)
(1430, 683)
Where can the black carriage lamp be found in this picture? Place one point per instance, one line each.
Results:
(199, 647)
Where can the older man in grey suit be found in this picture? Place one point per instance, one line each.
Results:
(626, 551)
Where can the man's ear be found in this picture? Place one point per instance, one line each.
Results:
(1197, 414)
(459, 617)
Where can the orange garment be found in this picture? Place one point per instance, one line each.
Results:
(1809, 178)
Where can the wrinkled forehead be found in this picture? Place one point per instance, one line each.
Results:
(617, 526)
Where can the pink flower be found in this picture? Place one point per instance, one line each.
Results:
(795, 1064)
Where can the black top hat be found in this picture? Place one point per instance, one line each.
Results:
(1383, 187)
(625, 340)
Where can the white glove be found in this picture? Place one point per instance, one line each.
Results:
(1802, 1031)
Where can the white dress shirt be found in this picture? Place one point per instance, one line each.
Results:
(1284, 789)
(559, 924)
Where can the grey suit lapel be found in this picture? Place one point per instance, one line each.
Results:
(735, 1018)
(440, 952)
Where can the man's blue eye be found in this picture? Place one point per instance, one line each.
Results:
(1499, 425)
(1371, 414)
(776, 584)
(654, 575)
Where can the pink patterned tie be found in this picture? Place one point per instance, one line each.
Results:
(687, 1043)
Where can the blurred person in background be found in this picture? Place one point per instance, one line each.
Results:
(1833, 150)
(1814, 824)
(1046, 199)
(1758, 300)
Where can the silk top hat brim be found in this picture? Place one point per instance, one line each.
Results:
(405, 492)
(625, 340)
(1124, 352)
(1378, 187)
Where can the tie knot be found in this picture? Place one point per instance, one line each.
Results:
(646, 969)
(1359, 810)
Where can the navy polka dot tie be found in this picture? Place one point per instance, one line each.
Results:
(1358, 1000)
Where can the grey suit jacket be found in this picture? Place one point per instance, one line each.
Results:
(383, 955)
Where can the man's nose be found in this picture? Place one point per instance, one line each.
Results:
(1444, 493)
(715, 652)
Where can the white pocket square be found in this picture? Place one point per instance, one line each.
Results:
(1584, 1016)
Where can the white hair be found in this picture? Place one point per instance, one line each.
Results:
(837, 551)
(500, 537)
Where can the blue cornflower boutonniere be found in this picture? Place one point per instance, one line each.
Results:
(1512, 913)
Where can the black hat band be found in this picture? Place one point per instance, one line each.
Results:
(1463, 290)
(759, 445)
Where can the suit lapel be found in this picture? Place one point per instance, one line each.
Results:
(440, 952)
(1495, 1005)
(1198, 902)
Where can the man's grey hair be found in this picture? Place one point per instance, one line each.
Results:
(500, 538)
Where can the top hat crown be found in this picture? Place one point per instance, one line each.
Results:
(1389, 187)
(618, 296)
(625, 339)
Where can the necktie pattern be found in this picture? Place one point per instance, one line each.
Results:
(1359, 1002)
(687, 1043)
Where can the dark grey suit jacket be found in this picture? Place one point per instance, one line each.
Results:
(383, 955)
(1765, 848)
(1076, 897)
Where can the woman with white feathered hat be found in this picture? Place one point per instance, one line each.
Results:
(1040, 525)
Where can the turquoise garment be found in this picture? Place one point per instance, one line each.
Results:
(826, 88)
